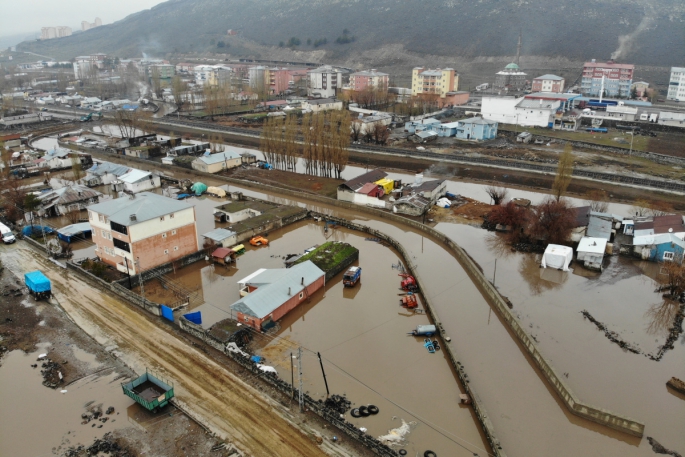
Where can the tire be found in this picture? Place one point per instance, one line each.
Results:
(430, 454)
(363, 411)
(402, 452)
(355, 413)
(372, 409)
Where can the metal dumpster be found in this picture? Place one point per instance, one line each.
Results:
(149, 391)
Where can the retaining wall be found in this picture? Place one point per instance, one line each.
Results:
(162, 269)
(342, 265)
(573, 404)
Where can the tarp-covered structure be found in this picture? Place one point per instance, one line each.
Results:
(557, 256)
(199, 188)
(37, 281)
(218, 191)
(36, 230)
(78, 231)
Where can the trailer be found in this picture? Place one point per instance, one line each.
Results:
(38, 284)
(424, 330)
(149, 391)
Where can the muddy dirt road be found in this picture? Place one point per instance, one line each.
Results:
(232, 408)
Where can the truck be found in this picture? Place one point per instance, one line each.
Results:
(38, 285)
(149, 391)
(352, 276)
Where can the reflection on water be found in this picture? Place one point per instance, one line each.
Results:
(540, 280)
(660, 317)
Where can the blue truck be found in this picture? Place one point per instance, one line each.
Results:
(352, 276)
(38, 285)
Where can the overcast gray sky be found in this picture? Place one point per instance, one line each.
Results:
(28, 16)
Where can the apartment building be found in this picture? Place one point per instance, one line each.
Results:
(141, 232)
(609, 79)
(676, 85)
(49, 33)
(369, 78)
(434, 82)
(324, 82)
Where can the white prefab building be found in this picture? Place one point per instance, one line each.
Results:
(676, 85)
(591, 252)
(142, 232)
(557, 256)
(322, 105)
(672, 119)
(214, 163)
(135, 181)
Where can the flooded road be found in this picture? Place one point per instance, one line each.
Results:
(34, 420)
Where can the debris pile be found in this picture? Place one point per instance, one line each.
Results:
(107, 445)
(52, 376)
(338, 403)
(659, 449)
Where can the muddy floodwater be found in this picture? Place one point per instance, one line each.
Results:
(361, 333)
(37, 421)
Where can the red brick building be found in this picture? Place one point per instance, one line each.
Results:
(268, 295)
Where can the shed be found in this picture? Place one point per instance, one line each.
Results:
(599, 227)
(557, 256)
(591, 252)
(221, 237)
(224, 256)
(387, 184)
(371, 189)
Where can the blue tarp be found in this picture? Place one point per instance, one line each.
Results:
(30, 230)
(256, 359)
(195, 318)
(183, 196)
(37, 281)
(167, 313)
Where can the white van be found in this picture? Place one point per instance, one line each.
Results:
(7, 235)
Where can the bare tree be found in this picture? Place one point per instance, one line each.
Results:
(356, 128)
(597, 200)
(381, 132)
(640, 208)
(564, 173)
(675, 277)
(179, 89)
(76, 169)
(497, 194)
(552, 221)
(156, 82)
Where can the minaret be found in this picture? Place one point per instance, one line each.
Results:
(518, 50)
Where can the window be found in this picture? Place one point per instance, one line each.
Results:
(123, 245)
(301, 295)
(175, 248)
(101, 218)
(173, 232)
(90, 215)
(171, 215)
(668, 255)
(166, 251)
(118, 228)
(161, 218)
(163, 235)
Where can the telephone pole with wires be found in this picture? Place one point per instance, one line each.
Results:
(299, 369)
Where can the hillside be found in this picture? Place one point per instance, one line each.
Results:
(640, 31)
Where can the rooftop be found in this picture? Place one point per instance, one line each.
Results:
(68, 194)
(143, 207)
(428, 186)
(594, 245)
(234, 207)
(373, 73)
(476, 120)
(275, 287)
(550, 77)
(133, 176)
(512, 66)
(218, 157)
(104, 168)
(620, 66)
(528, 103)
(219, 234)
(369, 176)
(322, 101)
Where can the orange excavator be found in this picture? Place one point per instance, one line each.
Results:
(409, 301)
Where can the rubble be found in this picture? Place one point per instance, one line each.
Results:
(659, 449)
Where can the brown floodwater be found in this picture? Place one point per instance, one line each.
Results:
(36, 421)
(361, 334)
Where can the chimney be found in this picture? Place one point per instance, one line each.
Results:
(288, 290)
(133, 217)
(302, 283)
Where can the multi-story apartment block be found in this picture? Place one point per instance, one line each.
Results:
(548, 83)
(165, 71)
(676, 86)
(608, 79)
(324, 82)
(143, 231)
(368, 78)
(48, 33)
(434, 82)
(85, 25)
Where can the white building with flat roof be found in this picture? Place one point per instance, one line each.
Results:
(676, 85)
(324, 82)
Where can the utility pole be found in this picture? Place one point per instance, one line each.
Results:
(299, 368)
(42, 231)
(324, 374)
(292, 376)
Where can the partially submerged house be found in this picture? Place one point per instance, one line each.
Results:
(412, 205)
(69, 198)
(669, 223)
(104, 173)
(240, 210)
(591, 252)
(268, 295)
(661, 247)
(224, 256)
(135, 181)
(221, 237)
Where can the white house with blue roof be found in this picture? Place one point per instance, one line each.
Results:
(214, 163)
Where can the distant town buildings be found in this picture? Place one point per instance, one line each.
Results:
(49, 33)
(640, 88)
(608, 79)
(368, 78)
(548, 83)
(676, 85)
(434, 82)
(165, 71)
(324, 82)
(85, 25)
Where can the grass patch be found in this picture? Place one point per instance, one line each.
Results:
(640, 143)
(328, 255)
